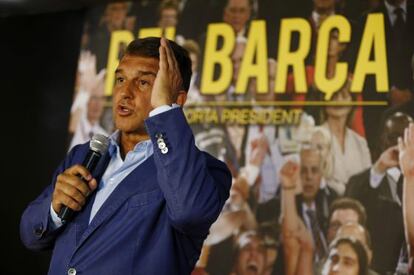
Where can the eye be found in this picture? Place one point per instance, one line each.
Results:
(143, 82)
(119, 79)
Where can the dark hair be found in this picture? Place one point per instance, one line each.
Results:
(354, 98)
(358, 248)
(349, 203)
(249, 2)
(241, 242)
(149, 47)
(366, 233)
(390, 134)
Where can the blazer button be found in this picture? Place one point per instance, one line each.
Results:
(39, 230)
(71, 271)
(161, 145)
(164, 150)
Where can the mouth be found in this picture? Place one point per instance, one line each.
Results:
(252, 268)
(308, 188)
(123, 110)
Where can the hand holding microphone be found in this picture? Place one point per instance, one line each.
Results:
(76, 183)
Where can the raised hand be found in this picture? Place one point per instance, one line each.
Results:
(168, 83)
(289, 175)
(388, 159)
(406, 152)
(260, 147)
(87, 71)
(71, 190)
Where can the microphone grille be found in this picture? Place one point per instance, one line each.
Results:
(99, 143)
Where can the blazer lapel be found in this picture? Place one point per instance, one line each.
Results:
(145, 172)
(82, 219)
(384, 192)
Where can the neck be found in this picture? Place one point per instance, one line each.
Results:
(324, 11)
(308, 203)
(337, 126)
(129, 140)
(91, 121)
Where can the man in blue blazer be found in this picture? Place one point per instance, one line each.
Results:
(149, 204)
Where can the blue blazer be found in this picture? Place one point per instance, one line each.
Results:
(154, 222)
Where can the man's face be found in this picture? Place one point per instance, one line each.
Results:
(324, 5)
(356, 231)
(339, 218)
(252, 258)
(116, 14)
(311, 174)
(168, 18)
(236, 58)
(343, 260)
(393, 129)
(237, 13)
(134, 77)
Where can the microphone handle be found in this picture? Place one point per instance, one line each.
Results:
(92, 158)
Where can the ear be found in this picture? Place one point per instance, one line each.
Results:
(181, 98)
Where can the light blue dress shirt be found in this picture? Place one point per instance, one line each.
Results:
(117, 168)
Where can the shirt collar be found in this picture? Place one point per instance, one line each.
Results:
(306, 207)
(391, 8)
(145, 145)
(394, 173)
(315, 16)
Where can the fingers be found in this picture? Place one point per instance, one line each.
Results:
(290, 168)
(406, 136)
(64, 180)
(167, 49)
(61, 199)
(163, 56)
(71, 190)
(79, 170)
(400, 144)
(411, 133)
(92, 184)
(71, 197)
(172, 62)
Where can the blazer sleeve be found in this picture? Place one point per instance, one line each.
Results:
(358, 186)
(195, 185)
(35, 230)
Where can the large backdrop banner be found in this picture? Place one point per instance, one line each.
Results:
(327, 84)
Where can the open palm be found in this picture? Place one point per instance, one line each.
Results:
(406, 154)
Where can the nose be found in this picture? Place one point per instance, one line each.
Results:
(128, 91)
(308, 174)
(336, 268)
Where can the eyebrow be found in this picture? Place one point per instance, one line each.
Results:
(140, 73)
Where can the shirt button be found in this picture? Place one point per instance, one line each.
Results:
(72, 271)
(161, 145)
(164, 150)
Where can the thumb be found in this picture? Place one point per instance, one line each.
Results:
(92, 184)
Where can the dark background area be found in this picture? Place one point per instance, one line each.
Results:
(38, 55)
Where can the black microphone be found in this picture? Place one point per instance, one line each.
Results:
(97, 148)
